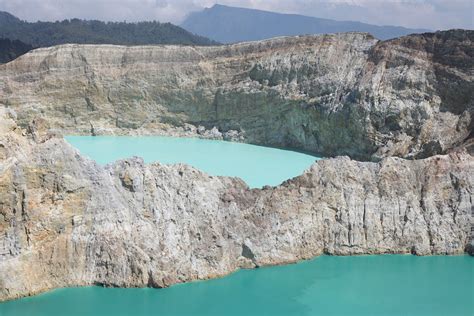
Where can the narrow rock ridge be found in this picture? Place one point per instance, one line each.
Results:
(66, 221)
(338, 94)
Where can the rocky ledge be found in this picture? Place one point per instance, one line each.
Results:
(338, 94)
(66, 221)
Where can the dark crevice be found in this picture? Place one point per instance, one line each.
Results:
(247, 253)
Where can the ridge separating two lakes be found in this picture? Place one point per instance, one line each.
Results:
(326, 285)
(258, 166)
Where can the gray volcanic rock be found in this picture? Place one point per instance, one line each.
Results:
(340, 94)
(66, 221)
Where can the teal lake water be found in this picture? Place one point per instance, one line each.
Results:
(256, 165)
(358, 285)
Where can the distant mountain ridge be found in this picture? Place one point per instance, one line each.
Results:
(40, 34)
(227, 24)
(6, 18)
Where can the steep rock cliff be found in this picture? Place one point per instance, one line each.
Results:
(66, 221)
(334, 94)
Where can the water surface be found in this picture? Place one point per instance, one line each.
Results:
(358, 285)
(256, 165)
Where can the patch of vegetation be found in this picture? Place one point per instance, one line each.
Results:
(41, 34)
(10, 50)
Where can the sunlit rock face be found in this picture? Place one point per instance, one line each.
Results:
(67, 221)
(339, 94)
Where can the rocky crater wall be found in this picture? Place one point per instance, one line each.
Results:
(339, 94)
(66, 221)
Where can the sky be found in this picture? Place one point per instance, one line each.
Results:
(428, 14)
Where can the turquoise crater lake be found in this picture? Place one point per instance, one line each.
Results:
(327, 285)
(256, 165)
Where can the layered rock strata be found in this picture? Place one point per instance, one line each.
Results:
(339, 94)
(66, 221)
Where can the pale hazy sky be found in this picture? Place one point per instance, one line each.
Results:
(430, 14)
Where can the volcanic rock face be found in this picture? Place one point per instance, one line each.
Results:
(66, 221)
(330, 94)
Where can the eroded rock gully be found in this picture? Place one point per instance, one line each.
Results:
(66, 221)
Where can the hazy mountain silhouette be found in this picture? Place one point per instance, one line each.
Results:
(227, 24)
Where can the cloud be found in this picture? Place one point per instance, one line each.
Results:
(431, 14)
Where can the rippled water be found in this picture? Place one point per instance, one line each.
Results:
(256, 165)
(358, 285)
